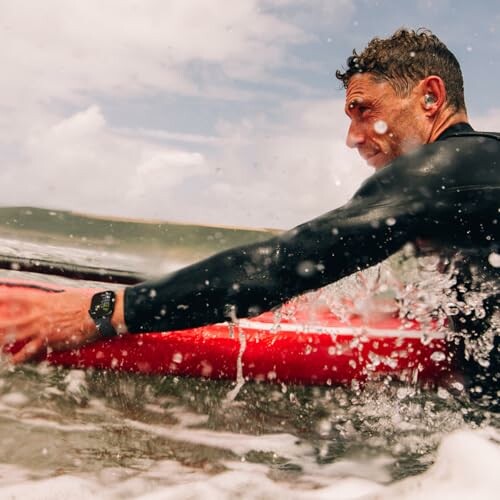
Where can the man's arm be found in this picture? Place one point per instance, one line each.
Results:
(249, 280)
(436, 193)
(240, 282)
(446, 192)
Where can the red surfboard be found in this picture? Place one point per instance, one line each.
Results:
(309, 345)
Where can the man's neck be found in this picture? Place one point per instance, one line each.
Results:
(445, 121)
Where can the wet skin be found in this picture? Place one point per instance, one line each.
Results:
(383, 125)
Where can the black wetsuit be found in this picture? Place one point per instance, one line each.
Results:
(446, 193)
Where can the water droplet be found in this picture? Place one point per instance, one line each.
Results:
(404, 392)
(483, 362)
(451, 309)
(380, 127)
(494, 259)
(443, 393)
(324, 427)
(480, 312)
(306, 268)
(438, 356)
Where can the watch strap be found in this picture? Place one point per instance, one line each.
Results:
(105, 327)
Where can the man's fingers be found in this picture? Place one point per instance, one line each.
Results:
(14, 325)
(16, 331)
(32, 321)
(29, 351)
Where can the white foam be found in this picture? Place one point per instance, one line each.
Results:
(285, 445)
(59, 488)
(236, 484)
(16, 399)
(466, 467)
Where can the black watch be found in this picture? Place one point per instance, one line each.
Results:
(101, 309)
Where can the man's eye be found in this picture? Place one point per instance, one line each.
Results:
(363, 109)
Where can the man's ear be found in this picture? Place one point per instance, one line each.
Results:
(433, 95)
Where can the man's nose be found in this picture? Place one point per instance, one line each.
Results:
(355, 136)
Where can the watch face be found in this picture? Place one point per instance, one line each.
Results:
(102, 304)
(106, 304)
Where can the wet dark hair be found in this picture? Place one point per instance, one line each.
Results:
(406, 58)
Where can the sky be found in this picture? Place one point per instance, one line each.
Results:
(205, 111)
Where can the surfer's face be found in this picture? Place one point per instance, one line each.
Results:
(383, 124)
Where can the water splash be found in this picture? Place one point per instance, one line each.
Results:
(240, 378)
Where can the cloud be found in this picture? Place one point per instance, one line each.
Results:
(82, 163)
(282, 173)
(64, 49)
(314, 13)
(64, 58)
(257, 171)
(159, 172)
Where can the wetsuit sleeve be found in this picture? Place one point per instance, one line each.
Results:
(402, 201)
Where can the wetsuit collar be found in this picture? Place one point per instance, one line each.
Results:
(455, 129)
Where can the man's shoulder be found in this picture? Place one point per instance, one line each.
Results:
(474, 133)
(464, 158)
(457, 150)
(463, 129)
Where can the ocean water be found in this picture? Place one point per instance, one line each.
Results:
(95, 434)
(75, 434)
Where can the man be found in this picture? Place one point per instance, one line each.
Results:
(436, 185)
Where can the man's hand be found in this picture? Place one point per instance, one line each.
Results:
(42, 320)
